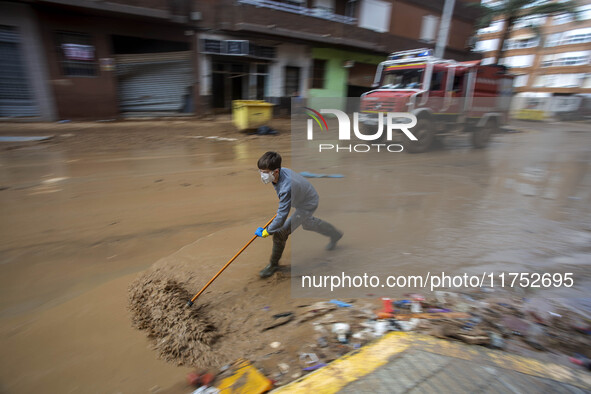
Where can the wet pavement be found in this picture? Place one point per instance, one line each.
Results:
(86, 211)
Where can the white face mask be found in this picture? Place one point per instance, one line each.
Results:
(267, 177)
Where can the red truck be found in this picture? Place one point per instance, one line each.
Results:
(446, 96)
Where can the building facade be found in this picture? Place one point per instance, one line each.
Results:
(65, 59)
(276, 50)
(99, 60)
(549, 56)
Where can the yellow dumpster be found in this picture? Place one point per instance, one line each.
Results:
(250, 114)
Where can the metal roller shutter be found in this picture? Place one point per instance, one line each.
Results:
(16, 95)
(153, 82)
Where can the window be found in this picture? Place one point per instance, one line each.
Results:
(547, 61)
(437, 80)
(318, 73)
(292, 81)
(375, 15)
(518, 61)
(429, 28)
(76, 54)
(520, 80)
(487, 60)
(577, 36)
(579, 58)
(560, 80)
(529, 21)
(458, 83)
(553, 39)
(487, 45)
(351, 8)
(403, 79)
(561, 19)
(584, 12)
(494, 27)
(516, 43)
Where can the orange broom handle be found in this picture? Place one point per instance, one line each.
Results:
(227, 264)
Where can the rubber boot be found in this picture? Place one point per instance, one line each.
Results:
(269, 270)
(276, 253)
(330, 231)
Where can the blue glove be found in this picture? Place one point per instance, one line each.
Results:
(261, 232)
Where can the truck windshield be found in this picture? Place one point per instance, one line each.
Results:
(403, 79)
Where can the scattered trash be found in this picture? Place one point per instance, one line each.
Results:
(496, 341)
(314, 367)
(26, 139)
(381, 327)
(316, 310)
(200, 378)
(217, 138)
(402, 304)
(206, 390)
(582, 361)
(266, 130)
(417, 297)
(408, 325)
(307, 174)
(342, 330)
(279, 320)
(283, 368)
(245, 379)
(494, 318)
(309, 358)
(341, 304)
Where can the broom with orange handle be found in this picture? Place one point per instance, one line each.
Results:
(189, 303)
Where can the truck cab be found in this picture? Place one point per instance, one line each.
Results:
(446, 96)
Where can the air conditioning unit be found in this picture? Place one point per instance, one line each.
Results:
(212, 46)
(236, 47)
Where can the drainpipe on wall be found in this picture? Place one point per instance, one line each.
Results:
(448, 11)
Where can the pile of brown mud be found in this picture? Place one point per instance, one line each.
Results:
(177, 332)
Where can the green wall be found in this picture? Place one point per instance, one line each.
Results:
(336, 75)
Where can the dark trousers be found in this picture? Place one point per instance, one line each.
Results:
(299, 218)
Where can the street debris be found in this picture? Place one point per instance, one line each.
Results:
(25, 138)
(495, 318)
(307, 174)
(244, 378)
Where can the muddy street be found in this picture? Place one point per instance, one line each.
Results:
(100, 203)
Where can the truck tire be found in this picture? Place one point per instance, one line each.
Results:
(425, 135)
(481, 135)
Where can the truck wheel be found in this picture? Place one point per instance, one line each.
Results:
(424, 133)
(481, 135)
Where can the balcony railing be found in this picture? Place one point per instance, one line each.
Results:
(321, 13)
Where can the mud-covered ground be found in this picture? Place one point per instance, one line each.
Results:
(101, 204)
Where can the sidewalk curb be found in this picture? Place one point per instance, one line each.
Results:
(366, 360)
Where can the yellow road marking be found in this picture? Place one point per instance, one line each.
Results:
(359, 363)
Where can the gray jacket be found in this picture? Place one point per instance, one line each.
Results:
(295, 191)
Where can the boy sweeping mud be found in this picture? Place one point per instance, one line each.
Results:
(294, 191)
